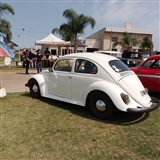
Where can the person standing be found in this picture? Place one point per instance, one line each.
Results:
(28, 61)
(47, 54)
(39, 58)
(23, 59)
(31, 56)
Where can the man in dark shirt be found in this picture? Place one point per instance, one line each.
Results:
(39, 58)
(28, 61)
(47, 53)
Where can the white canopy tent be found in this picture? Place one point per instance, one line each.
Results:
(52, 40)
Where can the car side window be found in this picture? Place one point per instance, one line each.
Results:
(152, 64)
(147, 64)
(155, 64)
(64, 65)
(84, 66)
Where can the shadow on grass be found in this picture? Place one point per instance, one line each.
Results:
(120, 118)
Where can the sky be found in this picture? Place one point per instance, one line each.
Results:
(35, 19)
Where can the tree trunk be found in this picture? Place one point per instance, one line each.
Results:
(75, 45)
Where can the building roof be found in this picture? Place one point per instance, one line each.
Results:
(122, 30)
(129, 30)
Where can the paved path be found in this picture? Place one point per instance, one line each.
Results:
(15, 81)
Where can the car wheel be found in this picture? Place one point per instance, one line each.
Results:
(101, 106)
(34, 89)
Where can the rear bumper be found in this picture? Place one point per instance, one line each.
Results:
(155, 105)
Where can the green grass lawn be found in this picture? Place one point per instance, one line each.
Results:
(45, 129)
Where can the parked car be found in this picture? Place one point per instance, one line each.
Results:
(132, 58)
(149, 73)
(101, 82)
(111, 53)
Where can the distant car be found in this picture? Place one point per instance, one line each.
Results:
(101, 82)
(132, 58)
(149, 73)
(111, 53)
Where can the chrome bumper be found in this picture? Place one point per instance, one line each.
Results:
(155, 105)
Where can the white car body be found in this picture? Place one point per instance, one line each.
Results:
(103, 90)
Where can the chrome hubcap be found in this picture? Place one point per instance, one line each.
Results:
(100, 105)
(35, 88)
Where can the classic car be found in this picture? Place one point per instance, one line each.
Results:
(101, 82)
(149, 73)
(134, 59)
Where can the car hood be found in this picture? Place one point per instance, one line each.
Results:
(133, 86)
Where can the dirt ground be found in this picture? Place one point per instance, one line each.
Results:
(15, 81)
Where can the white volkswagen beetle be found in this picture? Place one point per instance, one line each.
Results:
(102, 82)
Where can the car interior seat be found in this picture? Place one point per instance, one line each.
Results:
(88, 67)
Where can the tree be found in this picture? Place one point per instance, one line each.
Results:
(147, 44)
(76, 23)
(5, 25)
(64, 34)
(126, 41)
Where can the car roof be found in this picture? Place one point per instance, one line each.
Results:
(154, 57)
(92, 56)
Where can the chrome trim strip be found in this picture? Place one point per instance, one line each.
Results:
(147, 75)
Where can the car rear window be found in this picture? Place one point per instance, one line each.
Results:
(118, 66)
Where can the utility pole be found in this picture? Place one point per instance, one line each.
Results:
(23, 38)
(110, 40)
(19, 47)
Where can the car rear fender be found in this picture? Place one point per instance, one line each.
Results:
(114, 93)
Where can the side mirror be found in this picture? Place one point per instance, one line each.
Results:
(50, 69)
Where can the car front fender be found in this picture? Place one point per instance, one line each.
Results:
(39, 78)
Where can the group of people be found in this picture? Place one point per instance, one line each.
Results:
(34, 60)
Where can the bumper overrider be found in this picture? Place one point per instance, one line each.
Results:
(26, 85)
(154, 106)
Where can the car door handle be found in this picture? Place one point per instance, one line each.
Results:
(158, 73)
(69, 77)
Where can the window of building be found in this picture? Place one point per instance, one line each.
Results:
(53, 51)
(114, 39)
(79, 51)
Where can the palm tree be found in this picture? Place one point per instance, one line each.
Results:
(126, 41)
(75, 25)
(64, 34)
(147, 44)
(5, 25)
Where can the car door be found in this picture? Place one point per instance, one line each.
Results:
(60, 80)
(149, 74)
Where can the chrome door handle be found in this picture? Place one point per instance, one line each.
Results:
(69, 77)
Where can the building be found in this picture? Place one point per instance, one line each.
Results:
(104, 38)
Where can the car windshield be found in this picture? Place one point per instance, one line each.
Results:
(118, 66)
